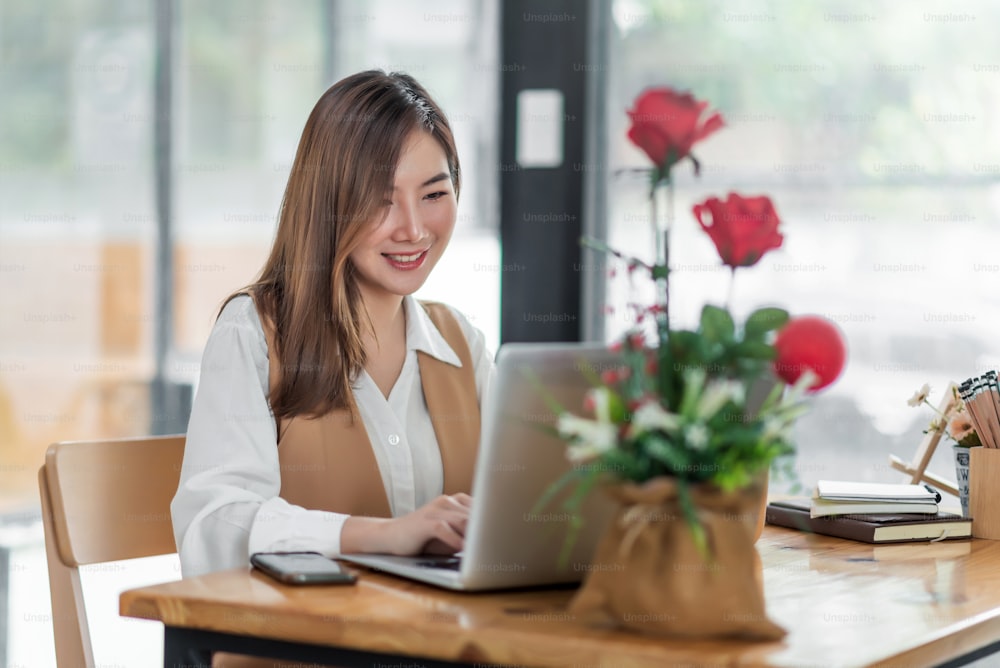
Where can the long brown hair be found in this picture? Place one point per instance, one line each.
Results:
(307, 290)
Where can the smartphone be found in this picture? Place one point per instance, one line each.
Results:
(301, 568)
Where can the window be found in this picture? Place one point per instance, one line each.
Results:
(76, 229)
(870, 125)
(78, 221)
(77, 191)
(243, 99)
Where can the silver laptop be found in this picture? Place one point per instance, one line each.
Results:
(510, 542)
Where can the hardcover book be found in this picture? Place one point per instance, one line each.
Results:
(824, 507)
(869, 528)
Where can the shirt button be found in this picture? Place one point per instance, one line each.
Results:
(393, 439)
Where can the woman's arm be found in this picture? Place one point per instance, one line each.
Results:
(227, 504)
(437, 526)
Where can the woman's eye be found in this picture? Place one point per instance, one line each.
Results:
(437, 195)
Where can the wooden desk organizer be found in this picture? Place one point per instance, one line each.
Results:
(984, 492)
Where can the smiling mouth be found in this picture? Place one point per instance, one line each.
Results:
(404, 258)
(406, 261)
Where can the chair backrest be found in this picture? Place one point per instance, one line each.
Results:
(102, 501)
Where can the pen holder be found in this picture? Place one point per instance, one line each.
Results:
(984, 492)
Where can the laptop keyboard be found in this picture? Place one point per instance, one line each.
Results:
(446, 563)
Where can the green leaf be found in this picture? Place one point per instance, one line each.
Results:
(691, 518)
(755, 350)
(574, 505)
(763, 321)
(664, 451)
(574, 474)
(684, 344)
(716, 324)
(547, 396)
(687, 351)
(589, 373)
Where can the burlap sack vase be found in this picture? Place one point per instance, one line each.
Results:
(648, 574)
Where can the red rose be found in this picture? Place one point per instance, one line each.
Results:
(810, 342)
(666, 124)
(743, 228)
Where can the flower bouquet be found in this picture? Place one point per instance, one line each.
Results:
(684, 433)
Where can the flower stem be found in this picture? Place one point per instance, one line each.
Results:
(599, 245)
(662, 221)
(732, 289)
(935, 408)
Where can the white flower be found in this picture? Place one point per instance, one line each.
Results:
(696, 436)
(651, 417)
(797, 391)
(590, 438)
(694, 383)
(601, 398)
(920, 396)
(775, 428)
(716, 395)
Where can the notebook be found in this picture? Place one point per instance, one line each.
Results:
(508, 542)
(835, 497)
(869, 528)
(838, 490)
(824, 507)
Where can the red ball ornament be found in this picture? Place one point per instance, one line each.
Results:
(810, 342)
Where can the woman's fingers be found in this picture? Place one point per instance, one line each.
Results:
(434, 546)
(456, 517)
(439, 526)
(444, 532)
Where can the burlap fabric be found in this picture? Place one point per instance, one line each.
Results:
(648, 574)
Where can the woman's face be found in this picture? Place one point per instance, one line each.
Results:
(397, 254)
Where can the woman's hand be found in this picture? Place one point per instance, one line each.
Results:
(437, 527)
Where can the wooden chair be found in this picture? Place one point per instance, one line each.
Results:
(102, 501)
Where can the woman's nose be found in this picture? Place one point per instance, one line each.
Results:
(408, 224)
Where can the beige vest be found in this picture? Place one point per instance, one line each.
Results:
(327, 463)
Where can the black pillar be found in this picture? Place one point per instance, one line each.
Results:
(170, 402)
(544, 48)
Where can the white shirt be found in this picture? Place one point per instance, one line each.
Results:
(227, 505)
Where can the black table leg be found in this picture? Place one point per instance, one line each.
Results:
(192, 648)
(180, 652)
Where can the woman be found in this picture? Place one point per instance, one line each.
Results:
(335, 413)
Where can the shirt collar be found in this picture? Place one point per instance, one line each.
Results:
(421, 334)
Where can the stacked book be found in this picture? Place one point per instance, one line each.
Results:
(834, 497)
(871, 513)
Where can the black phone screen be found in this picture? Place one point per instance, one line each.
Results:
(301, 568)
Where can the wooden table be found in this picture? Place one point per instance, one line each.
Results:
(843, 604)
